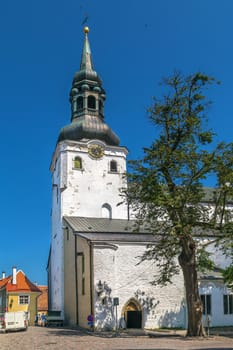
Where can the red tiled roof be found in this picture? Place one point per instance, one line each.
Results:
(4, 281)
(22, 284)
(42, 301)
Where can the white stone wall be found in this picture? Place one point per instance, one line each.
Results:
(161, 306)
(216, 290)
(219, 259)
(81, 192)
(56, 258)
(89, 188)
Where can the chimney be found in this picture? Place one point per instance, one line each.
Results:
(13, 275)
(3, 275)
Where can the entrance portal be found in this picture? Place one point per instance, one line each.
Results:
(134, 319)
(133, 314)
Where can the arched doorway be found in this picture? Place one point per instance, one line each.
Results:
(132, 313)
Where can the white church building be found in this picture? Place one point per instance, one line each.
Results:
(93, 261)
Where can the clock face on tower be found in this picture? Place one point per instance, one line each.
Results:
(96, 151)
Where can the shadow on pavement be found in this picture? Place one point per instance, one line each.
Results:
(66, 332)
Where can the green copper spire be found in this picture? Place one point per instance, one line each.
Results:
(86, 61)
(86, 70)
(87, 98)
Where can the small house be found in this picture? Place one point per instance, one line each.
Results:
(18, 293)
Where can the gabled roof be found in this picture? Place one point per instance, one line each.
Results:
(23, 284)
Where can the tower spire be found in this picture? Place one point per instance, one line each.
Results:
(87, 98)
(86, 60)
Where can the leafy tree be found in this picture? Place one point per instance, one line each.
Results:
(167, 194)
(228, 276)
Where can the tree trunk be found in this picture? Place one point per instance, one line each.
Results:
(187, 261)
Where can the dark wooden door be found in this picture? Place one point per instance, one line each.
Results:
(134, 319)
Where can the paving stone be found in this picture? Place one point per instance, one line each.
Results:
(43, 338)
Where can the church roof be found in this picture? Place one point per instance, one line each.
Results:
(86, 224)
(88, 127)
(210, 194)
(99, 229)
(215, 274)
(117, 227)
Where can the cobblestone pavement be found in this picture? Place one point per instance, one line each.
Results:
(36, 338)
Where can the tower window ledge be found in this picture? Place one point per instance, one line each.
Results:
(113, 172)
(78, 169)
(92, 111)
(77, 115)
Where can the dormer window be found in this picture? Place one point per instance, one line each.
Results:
(77, 163)
(113, 166)
(91, 102)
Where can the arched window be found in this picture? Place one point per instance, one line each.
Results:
(113, 166)
(79, 103)
(106, 211)
(78, 163)
(91, 103)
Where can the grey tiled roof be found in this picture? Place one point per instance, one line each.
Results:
(101, 229)
(215, 274)
(210, 195)
(86, 224)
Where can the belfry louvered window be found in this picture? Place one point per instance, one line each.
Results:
(91, 102)
(79, 103)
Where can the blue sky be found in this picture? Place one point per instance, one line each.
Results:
(134, 44)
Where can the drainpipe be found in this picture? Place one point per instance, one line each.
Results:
(76, 280)
(91, 279)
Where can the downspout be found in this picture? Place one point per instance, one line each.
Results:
(91, 279)
(76, 280)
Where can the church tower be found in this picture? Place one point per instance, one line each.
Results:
(87, 167)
